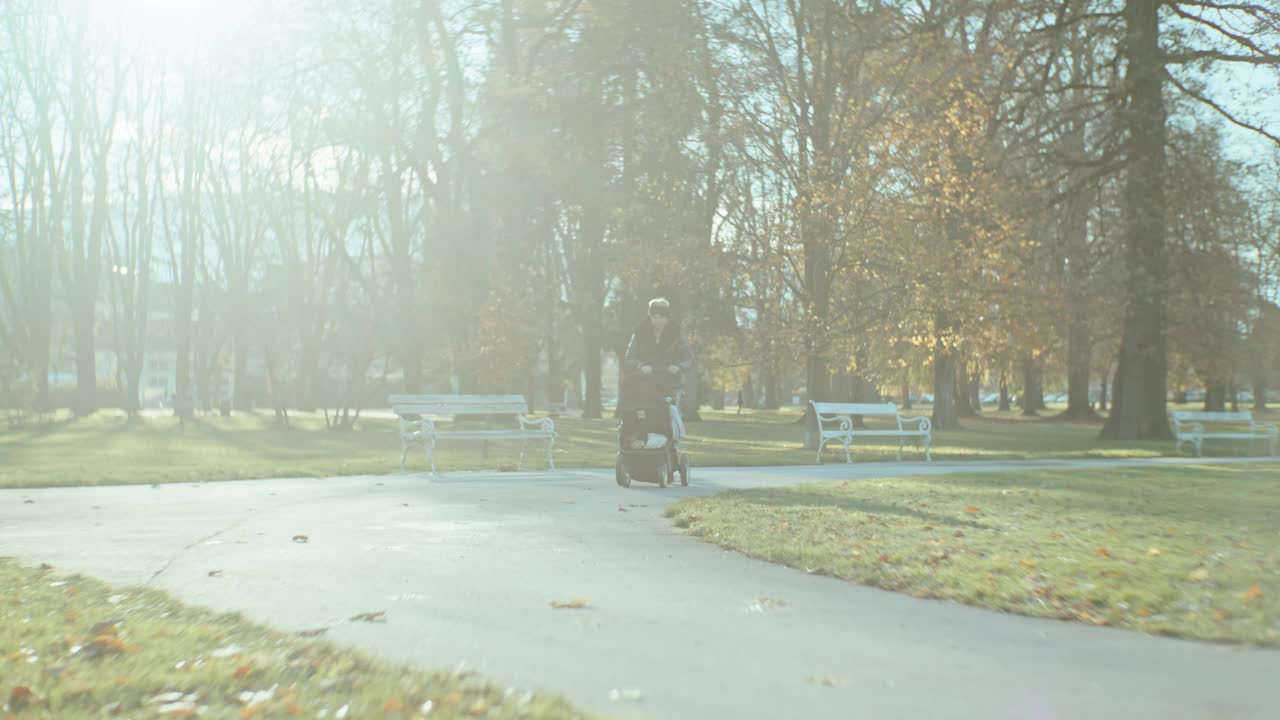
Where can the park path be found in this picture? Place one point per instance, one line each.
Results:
(464, 566)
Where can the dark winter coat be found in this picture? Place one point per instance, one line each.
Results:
(645, 348)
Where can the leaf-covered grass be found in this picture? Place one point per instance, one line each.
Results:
(72, 647)
(106, 450)
(1190, 551)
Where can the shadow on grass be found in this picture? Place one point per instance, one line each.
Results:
(848, 503)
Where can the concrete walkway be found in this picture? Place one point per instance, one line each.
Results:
(465, 566)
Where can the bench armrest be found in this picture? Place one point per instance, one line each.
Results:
(923, 424)
(1267, 428)
(846, 421)
(1181, 426)
(423, 423)
(545, 424)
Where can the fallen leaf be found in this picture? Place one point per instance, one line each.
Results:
(972, 509)
(568, 502)
(315, 632)
(1102, 552)
(300, 538)
(1219, 615)
(1253, 593)
(621, 509)
(453, 698)
(242, 671)
(372, 617)
(884, 558)
(294, 709)
(1144, 613)
(1029, 563)
(1199, 575)
(21, 697)
(1153, 551)
(393, 705)
(215, 573)
(478, 708)
(108, 644)
(572, 604)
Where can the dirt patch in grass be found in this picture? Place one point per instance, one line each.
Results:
(1187, 551)
(73, 647)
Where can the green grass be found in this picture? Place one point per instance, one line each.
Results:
(1191, 551)
(72, 647)
(105, 450)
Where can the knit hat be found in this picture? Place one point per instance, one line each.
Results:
(659, 306)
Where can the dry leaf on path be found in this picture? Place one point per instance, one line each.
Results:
(300, 538)
(1253, 593)
(972, 509)
(1103, 552)
(1199, 575)
(572, 604)
(314, 632)
(372, 617)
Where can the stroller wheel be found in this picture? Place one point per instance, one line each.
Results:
(684, 469)
(620, 472)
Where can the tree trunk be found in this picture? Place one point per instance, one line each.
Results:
(905, 394)
(1078, 361)
(1259, 396)
(1215, 397)
(1235, 397)
(1032, 394)
(963, 403)
(1140, 407)
(1004, 390)
(975, 391)
(772, 393)
(592, 356)
(944, 392)
(1102, 394)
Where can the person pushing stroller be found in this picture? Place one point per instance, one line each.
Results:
(652, 374)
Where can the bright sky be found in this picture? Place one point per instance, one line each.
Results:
(172, 24)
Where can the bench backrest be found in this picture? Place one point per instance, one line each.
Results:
(1212, 416)
(830, 408)
(459, 404)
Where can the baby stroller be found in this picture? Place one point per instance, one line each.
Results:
(649, 434)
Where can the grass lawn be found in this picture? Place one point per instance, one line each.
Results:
(104, 449)
(72, 647)
(1190, 551)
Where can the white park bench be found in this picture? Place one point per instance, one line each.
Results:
(835, 422)
(1195, 427)
(418, 428)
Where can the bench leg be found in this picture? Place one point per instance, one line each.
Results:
(524, 447)
(847, 458)
(928, 442)
(900, 441)
(431, 456)
(821, 443)
(551, 460)
(404, 452)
